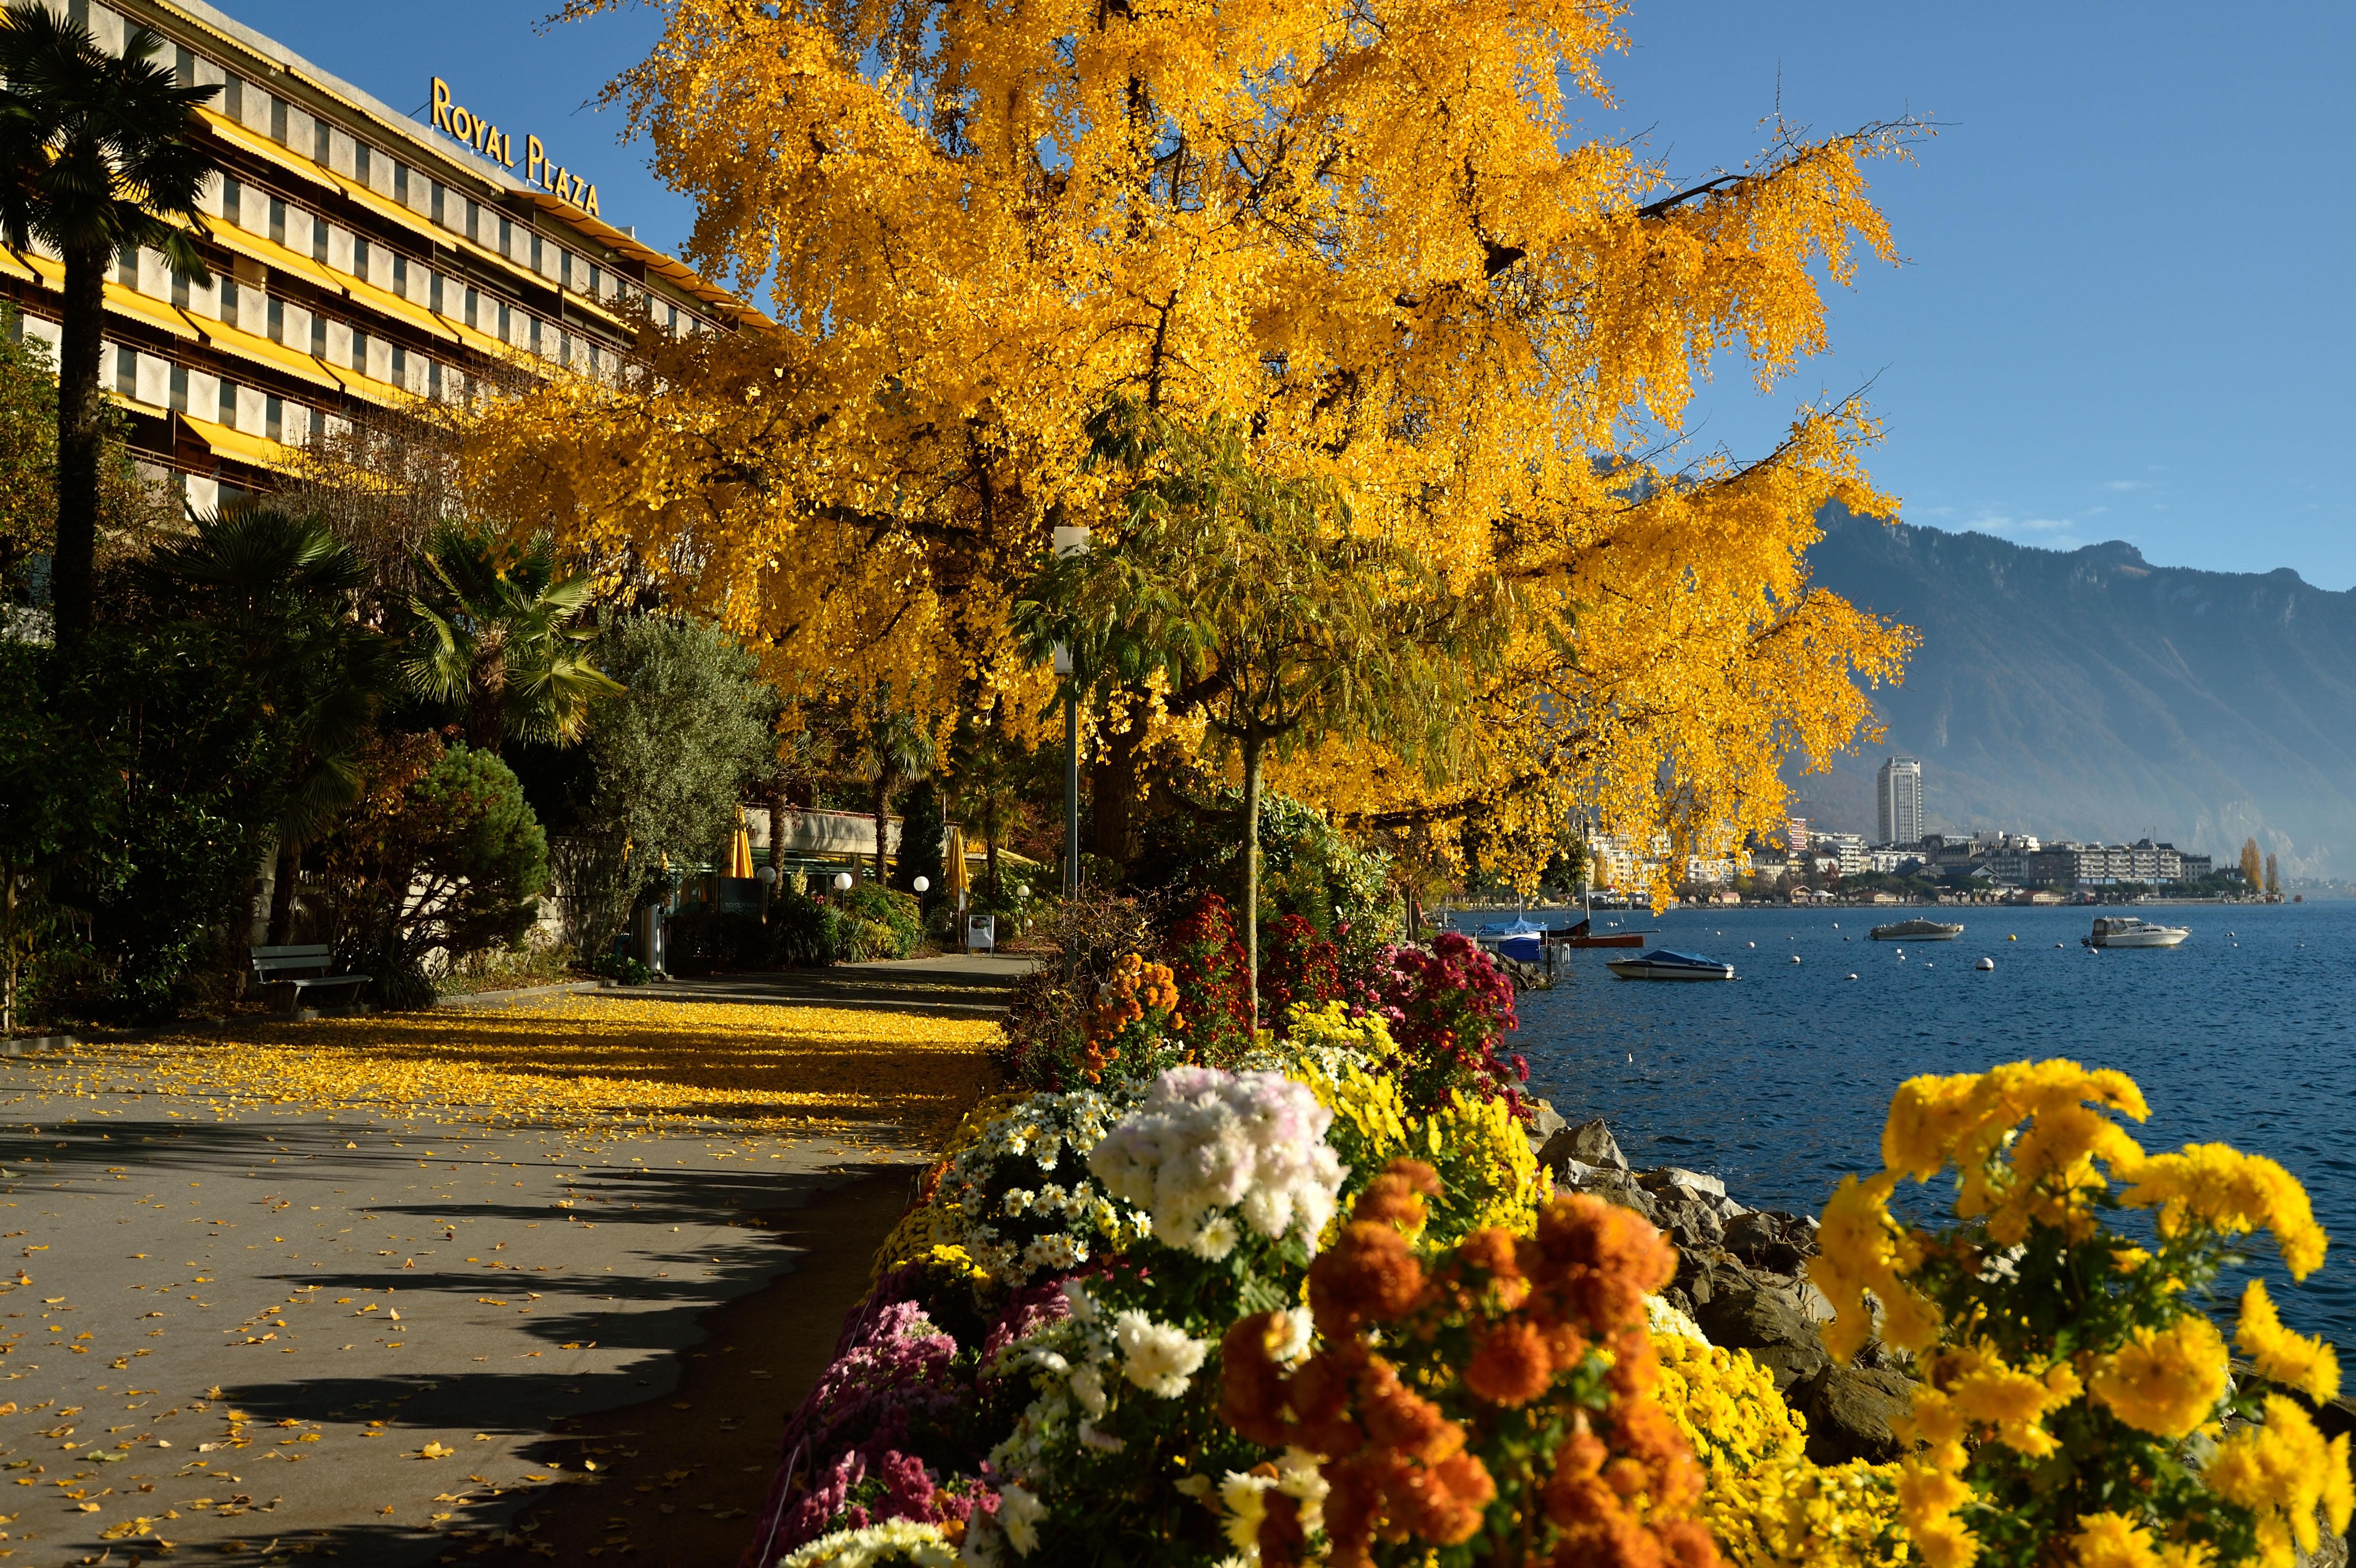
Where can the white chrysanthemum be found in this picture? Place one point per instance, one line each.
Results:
(1298, 1325)
(1252, 1145)
(894, 1541)
(1160, 1358)
(1087, 1386)
(1054, 1254)
(1216, 1239)
(1019, 1513)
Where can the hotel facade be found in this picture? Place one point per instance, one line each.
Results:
(361, 259)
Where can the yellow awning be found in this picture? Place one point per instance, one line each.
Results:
(258, 451)
(252, 346)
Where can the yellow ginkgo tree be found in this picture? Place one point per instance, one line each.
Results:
(1373, 237)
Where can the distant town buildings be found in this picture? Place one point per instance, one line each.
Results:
(1898, 795)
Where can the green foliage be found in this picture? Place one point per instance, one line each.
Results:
(29, 452)
(1307, 867)
(804, 933)
(923, 831)
(496, 637)
(444, 859)
(881, 922)
(670, 755)
(58, 804)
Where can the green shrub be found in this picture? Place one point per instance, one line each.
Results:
(898, 920)
(804, 933)
(444, 856)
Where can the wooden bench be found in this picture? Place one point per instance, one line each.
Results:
(274, 966)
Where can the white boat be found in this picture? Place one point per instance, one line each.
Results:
(1662, 965)
(1917, 930)
(2132, 931)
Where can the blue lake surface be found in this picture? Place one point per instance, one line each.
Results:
(1780, 1081)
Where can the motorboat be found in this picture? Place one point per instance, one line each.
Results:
(1662, 963)
(1522, 941)
(1585, 934)
(1917, 930)
(2132, 931)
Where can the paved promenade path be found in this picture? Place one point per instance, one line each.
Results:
(479, 1285)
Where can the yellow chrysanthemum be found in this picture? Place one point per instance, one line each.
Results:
(2233, 1193)
(2011, 1401)
(2165, 1382)
(2112, 1541)
(2283, 1472)
(2293, 1359)
(1862, 1249)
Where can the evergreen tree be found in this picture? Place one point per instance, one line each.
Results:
(922, 830)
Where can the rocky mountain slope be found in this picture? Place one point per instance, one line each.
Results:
(2090, 694)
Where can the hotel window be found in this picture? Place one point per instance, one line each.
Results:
(504, 323)
(359, 351)
(276, 316)
(474, 309)
(126, 371)
(184, 66)
(360, 151)
(596, 280)
(401, 182)
(179, 289)
(318, 336)
(400, 367)
(535, 253)
(232, 202)
(229, 300)
(277, 220)
(433, 293)
(400, 276)
(228, 402)
(441, 202)
(232, 98)
(535, 335)
(359, 256)
(434, 377)
(127, 267)
(274, 417)
(318, 239)
(322, 143)
(507, 238)
(180, 388)
(278, 119)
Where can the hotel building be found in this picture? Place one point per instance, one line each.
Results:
(360, 258)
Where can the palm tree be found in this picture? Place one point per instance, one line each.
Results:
(280, 586)
(497, 632)
(898, 750)
(100, 155)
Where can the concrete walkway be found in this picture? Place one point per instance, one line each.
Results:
(271, 1331)
(954, 985)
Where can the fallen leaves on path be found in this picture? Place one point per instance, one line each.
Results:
(593, 1059)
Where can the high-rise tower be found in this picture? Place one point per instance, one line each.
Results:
(1898, 791)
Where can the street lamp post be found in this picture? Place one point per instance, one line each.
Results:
(1070, 540)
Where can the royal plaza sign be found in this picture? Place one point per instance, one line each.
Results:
(455, 120)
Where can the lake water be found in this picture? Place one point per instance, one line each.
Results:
(1779, 1082)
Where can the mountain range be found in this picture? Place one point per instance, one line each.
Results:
(2089, 694)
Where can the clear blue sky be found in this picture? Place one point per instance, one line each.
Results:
(2125, 310)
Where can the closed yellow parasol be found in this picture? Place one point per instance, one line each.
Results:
(740, 849)
(953, 872)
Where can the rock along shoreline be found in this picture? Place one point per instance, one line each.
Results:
(1743, 1280)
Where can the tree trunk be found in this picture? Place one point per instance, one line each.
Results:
(882, 805)
(282, 894)
(8, 949)
(486, 699)
(778, 829)
(81, 433)
(1115, 793)
(1251, 870)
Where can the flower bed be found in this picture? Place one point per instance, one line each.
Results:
(1317, 1303)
